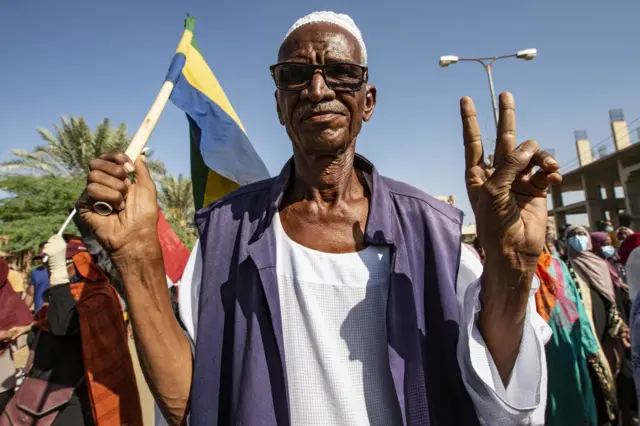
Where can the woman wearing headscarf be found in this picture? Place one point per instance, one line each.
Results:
(15, 318)
(572, 350)
(603, 247)
(595, 272)
(80, 351)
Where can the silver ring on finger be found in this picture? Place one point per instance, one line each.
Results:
(102, 208)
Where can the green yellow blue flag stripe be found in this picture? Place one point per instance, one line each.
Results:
(222, 157)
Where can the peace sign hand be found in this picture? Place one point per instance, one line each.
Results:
(510, 206)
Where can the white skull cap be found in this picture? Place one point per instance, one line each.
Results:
(339, 19)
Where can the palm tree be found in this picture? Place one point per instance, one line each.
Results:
(70, 151)
(175, 196)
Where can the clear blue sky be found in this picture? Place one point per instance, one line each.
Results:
(108, 59)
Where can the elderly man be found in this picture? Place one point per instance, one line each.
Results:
(331, 295)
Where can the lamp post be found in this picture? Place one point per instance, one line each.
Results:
(526, 54)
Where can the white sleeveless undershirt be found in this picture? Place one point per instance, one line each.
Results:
(335, 340)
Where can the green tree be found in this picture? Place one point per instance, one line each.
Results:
(32, 208)
(70, 149)
(175, 196)
(36, 204)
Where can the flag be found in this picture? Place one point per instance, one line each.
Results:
(222, 157)
(174, 253)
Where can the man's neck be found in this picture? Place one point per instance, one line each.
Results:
(327, 180)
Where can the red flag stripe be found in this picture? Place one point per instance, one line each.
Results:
(175, 254)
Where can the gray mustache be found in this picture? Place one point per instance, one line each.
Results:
(308, 109)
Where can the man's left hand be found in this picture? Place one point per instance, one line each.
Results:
(510, 206)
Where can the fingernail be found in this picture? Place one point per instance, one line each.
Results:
(128, 167)
(550, 161)
(121, 206)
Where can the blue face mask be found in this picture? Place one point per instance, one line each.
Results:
(608, 251)
(609, 229)
(579, 242)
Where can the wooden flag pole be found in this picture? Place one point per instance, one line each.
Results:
(136, 146)
(141, 137)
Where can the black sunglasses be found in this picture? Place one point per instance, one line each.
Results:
(339, 76)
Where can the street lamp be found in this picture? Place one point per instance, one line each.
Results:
(526, 54)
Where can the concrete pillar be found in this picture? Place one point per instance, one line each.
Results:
(584, 152)
(633, 186)
(560, 218)
(552, 227)
(623, 175)
(619, 129)
(593, 201)
(620, 133)
(610, 190)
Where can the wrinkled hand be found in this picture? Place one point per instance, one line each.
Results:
(509, 203)
(56, 251)
(134, 219)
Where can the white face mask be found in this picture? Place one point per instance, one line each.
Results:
(608, 251)
(579, 243)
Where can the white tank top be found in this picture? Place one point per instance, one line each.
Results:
(335, 340)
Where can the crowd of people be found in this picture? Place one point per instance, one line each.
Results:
(588, 283)
(585, 298)
(79, 370)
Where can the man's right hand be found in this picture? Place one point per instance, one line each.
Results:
(130, 236)
(135, 209)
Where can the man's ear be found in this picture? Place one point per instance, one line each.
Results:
(369, 102)
(278, 108)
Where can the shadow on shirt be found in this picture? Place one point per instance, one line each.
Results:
(425, 363)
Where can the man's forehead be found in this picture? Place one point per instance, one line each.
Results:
(323, 39)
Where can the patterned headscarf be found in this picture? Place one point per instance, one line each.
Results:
(552, 292)
(546, 296)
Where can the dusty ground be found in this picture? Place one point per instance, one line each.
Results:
(148, 412)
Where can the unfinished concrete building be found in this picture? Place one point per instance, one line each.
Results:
(612, 163)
